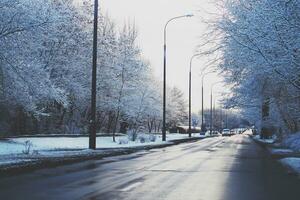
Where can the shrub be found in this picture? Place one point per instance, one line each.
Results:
(146, 138)
(132, 135)
(152, 138)
(27, 147)
(123, 141)
(143, 138)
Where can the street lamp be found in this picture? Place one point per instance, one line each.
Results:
(202, 110)
(211, 117)
(190, 93)
(92, 136)
(165, 71)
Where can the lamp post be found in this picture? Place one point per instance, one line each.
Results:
(211, 100)
(190, 93)
(92, 136)
(165, 73)
(202, 109)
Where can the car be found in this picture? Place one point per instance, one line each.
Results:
(204, 134)
(216, 133)
(225, 132)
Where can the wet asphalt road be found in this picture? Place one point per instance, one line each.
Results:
(224, 168)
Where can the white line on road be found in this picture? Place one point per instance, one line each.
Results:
(130, 187)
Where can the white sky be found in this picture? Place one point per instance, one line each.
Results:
(183, 34)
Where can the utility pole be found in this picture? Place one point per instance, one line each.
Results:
(202, 111)
(190, 102)
(211, 117)
(221, 118)
(226, 119)
(164, 85)
(92, 137)
(202, 115)
(165, 75)
(214, 114)
(190, 93)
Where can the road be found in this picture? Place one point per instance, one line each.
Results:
(221, 168)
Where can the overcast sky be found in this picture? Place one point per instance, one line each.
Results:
(183, 34)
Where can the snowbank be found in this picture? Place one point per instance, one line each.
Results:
(292, 142)
(278, 153)
(281, 151)
(266, 141)
(292, 163)
(13, 161)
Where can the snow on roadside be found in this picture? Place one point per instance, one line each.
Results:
(281, 151)
(46, 145)
(42, 144)
(266, 141)
(10, 147)
(13, 161)
(292, 142)
(12, 151)
(291, 163)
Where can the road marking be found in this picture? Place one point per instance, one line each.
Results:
(130, 187)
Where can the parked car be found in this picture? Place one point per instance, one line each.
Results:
(216, 133)
(225, 132)
(205, 134)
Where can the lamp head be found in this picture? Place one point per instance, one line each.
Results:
(189, 15)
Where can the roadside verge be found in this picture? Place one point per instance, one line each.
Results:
(287, 157)
(20, 163)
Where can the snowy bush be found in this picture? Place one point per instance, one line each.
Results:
(27, 147)
(152, 138)
(292, 141)
(123, 141)
(142, 138)
(132, 135)
(35, 152)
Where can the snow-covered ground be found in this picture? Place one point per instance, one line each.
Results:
(52, 145)
(27, 150)
(289, 149)
(292, 163)
(266, 141)
(275, 151)
(292, 142)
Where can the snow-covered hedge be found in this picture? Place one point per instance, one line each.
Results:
(292, 141)
(143, 138)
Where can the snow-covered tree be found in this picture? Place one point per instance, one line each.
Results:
(176, 108)
(45, 72)
(257, 45)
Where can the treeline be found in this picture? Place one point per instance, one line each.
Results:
(45, 72)
(221, 119)
(257, 46)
